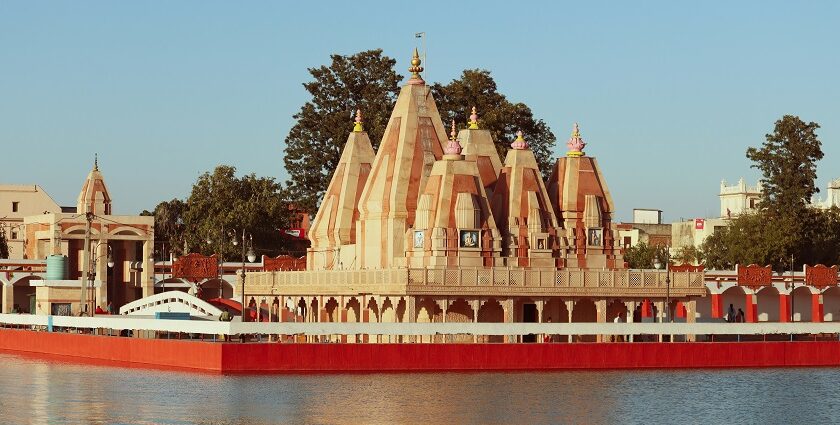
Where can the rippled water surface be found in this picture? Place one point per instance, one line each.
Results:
(38, 391)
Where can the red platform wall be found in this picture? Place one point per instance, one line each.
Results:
(278, 358)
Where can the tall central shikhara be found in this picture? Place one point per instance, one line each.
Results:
(432, 201)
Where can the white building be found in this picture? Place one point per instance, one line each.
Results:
(739, 198)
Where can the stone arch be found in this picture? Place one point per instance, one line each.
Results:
(491, 311)
(767, 304)
(302, 310)
(616, 308)
(460, 311)
(23, 293)
(584, 311)
(428, 311)
(831, 304)
(736, 296)
(79, 229)
(401, 310)
(314, 310)
(354, 310)
(373, 308)
(801, 299)
(127, 231)
(331, 313)
(555, 309)
(389, 312)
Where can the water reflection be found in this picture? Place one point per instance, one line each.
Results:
(34, 391)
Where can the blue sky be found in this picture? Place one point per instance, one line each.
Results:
(668, 94)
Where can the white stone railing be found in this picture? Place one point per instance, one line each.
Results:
(332, 328)
(170, 301)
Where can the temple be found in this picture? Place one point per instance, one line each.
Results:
(114, 266)
(434, 227)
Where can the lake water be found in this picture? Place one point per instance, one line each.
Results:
(38, 391)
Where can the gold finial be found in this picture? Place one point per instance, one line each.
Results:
(95, 162)
(473, 120)
(453, 133)
(415, 69)
(358, 127)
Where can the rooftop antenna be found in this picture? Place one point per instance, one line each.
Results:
(422, 36)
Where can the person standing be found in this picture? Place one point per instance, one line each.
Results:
(730, 315)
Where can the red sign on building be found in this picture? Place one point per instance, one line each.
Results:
(195, 267)
(754, 275)
(820, 275)
(699, 223)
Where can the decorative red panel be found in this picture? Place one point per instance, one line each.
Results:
(820, 275)
(755, 275)
(283, 262)
(195, 267)
(687, 268)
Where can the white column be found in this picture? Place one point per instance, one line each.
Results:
(146, 277)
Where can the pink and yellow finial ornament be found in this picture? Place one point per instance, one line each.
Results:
(520, 142)
(358, 127)
(453, 147)
(415, 69)
(473, 120)
(576, 143)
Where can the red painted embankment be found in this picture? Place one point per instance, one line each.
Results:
(278, 358)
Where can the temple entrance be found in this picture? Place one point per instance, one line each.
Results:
(734, 300)
(491, 312)
(767, 304)
(801, 301)
(831, 304)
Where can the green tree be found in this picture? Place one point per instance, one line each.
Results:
(366, 81)
(688, 255)
(169, 226)
(4, 244)
(503, 118)
(642, 255)
(787, 161)
(750, 239)
(221, 203)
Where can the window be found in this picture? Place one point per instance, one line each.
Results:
(15, 206)
(14, 235)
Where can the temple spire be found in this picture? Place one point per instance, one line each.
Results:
(96, 162)
(473, 120)
(453, 147)
(358, 128)
(520, 142)
(415, 69)
(576, 143)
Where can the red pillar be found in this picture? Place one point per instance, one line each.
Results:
(679, 310)
(647, 311)
(816, 308)
(751, 315)
(717, 306)
(784, 308)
